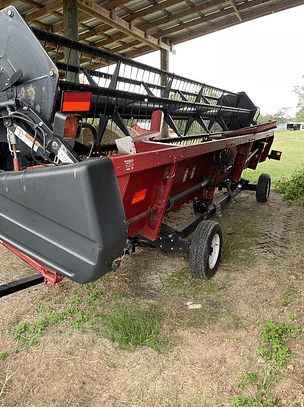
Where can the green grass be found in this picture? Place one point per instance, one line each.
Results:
(131, 326)
(275, 337)
(291, 143)
(255, 388)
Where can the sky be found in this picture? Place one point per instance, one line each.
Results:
(263, 57)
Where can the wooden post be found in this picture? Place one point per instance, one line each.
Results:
(164, 65)
(70, 30)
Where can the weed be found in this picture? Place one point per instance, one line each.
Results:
(255, 390)
(93, 296)
(286, 302)
(275, 336)
(56, 317)
(292, 189)
(70, 311)
(132, 326)
(44, 308)
(275, 353)
(76, 323)
(77, 300)
(240, 401)
(3, 355)
(251, 377)
(293, 317)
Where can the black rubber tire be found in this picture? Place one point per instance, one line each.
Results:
(263, 188)
(205, 249)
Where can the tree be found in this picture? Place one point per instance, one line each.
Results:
(282, 115)
(265, 118)
(299, 90)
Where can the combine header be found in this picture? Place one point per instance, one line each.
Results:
(71, 202)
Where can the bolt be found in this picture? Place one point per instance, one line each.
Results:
(55, 145)
(52, 73)
(10, 13)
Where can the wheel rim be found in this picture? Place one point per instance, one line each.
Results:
(267, 190)
(214, 250)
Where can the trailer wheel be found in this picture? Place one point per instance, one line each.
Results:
(263, 188)
(205, 249)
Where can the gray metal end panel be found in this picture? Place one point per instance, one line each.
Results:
(70, 218)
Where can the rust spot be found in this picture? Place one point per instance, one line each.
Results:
(37, 108)
(43, 89)
(31, 92)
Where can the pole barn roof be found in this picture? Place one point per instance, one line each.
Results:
(137, 27)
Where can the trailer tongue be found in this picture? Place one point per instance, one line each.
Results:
(75, 207)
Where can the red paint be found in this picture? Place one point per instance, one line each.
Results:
(50, 276)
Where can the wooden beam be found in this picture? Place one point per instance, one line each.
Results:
(238, 14)
(31, 3)
(48, 8)
(137, 53)
(110, 18)
(150, 9)
(70, 30)
(58, 27)
(110, 5)
(5, 3)
(247, 15)
(110, 39)
(172, 17)
(100, 30)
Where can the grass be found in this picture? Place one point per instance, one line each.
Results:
(275, 337)
(181, 281)
(292, 147)
(110, 308)
(131, 326)
(254, 387)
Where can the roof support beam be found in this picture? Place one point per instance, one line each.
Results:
(96, 11)
(70, 30)
(247, 15)
(48, 8)
(153, 8)
(164, 65)
(175, 16)
(239, 16)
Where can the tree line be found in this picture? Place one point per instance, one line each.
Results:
(282, 115)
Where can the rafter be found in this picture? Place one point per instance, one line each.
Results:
(58, 27)
(48, 8)
(114, 26)
(233, 20)
(110, 18)
(32, 3)
(238, 14)
(5, 3)
(183, 26)
(175, 16)
(110, 5)
(150, 9)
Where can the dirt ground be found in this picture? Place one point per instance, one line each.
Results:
(208, 348)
